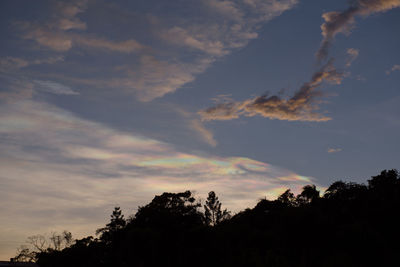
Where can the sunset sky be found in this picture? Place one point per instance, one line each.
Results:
(110, 102)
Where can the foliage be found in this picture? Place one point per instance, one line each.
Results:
(350, 225)
(308, 195)
(213, 213)
(170, 210)
(117, 222)
(37, 244)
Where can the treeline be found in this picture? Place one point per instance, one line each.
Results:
(349, 225)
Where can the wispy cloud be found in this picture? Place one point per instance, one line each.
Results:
(193, 44)
(154, 78)
(342, 22)
(63, 41)
(54, 88)
(353, 54)
(223, 26)
(59, 171)
(9, 64)
(203, 132)
(16, 90)
(226, 26)
(196, 127)
(65, 30)
(394, 68)
(66, 15)
(334, 150)
(302, 106)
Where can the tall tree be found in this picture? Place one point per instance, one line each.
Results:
(116, 223)
(170, 210)
(287, 198)
(212, 210)
(308, 195)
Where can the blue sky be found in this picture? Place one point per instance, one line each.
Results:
(107, 103)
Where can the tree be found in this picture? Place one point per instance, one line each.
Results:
(170, 210)
(385, 180)
(117, 222)
(213, 213)
(41, 244)
(340, 190)
(287, 198)
(308, 195)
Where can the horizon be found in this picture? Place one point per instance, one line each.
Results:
(107, 104)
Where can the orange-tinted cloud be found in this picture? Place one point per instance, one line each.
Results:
(334, 150)
(64, 30)
(394, 68)
(353, 54)
(302, 106)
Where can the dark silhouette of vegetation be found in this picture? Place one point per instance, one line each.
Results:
(116, 223)
(37, 244)
(213, 213)
(349, 225)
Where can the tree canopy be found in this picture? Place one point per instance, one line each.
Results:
(349, 225)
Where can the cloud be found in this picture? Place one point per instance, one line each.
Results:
(60, 172)
(8, 64)
(155, 78)
(394, 68)
(302, 106)
(15, 90)
(343, 22)
(334, 150)
(57, 41)
(353, 54)
(66, 14)
(57, 34)
(127, 46)
(196, 126)
(54, 88)
(225, 8)
(182, 47)
(226, 26)
(203, 132)
(181, 37)
(63, 41)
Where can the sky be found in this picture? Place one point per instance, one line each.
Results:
(106, 103)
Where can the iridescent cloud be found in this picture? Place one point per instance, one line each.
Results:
(62, 172)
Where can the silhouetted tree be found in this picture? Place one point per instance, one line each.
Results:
(170, 209)
(385, 180)
(287, 198)
(308, 195)
(340, 190)
(358, 225)
(213, 213)
(117, 222)
(41, 244)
